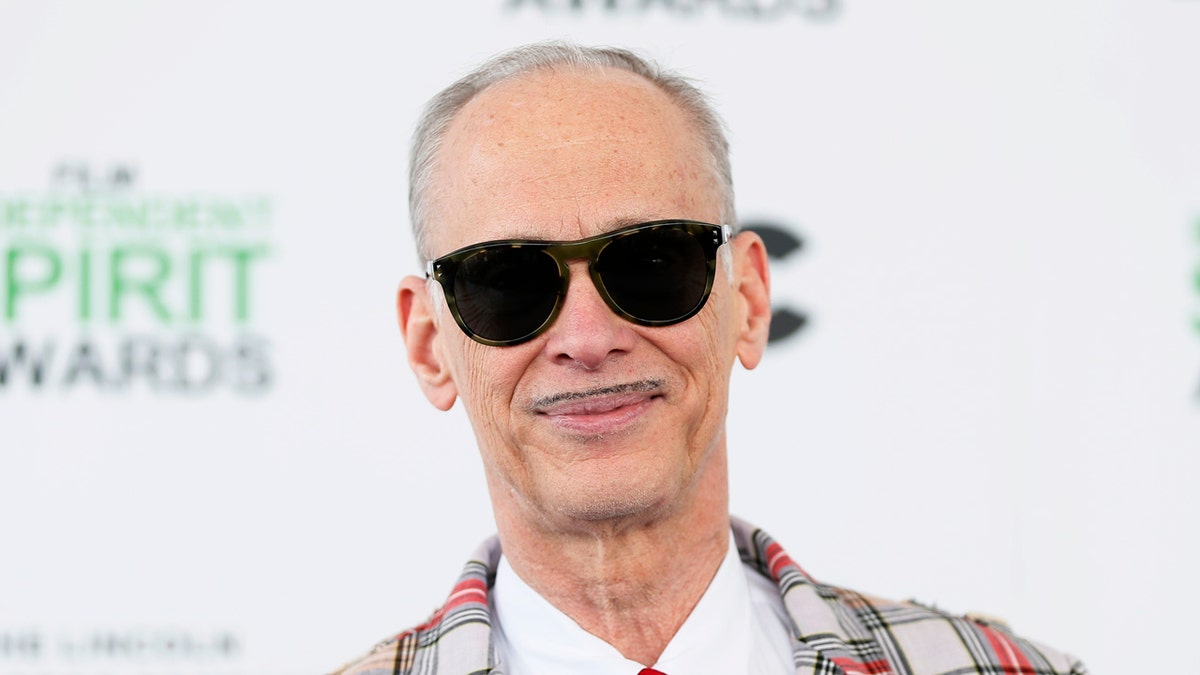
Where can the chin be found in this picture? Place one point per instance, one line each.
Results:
(613, 503)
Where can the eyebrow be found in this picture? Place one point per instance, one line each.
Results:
(615, 224)
(635, 220)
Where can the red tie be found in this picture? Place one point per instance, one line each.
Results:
(650, 671)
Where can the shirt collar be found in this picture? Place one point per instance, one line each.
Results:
(533, 636)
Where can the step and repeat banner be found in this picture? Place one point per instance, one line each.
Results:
(982, 389)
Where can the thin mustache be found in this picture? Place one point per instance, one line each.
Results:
(641, 385)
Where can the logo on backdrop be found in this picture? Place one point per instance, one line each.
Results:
(128, 650)
(783, 245)
(763, 10)
(109, 288)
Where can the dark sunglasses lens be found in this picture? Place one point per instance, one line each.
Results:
(506, 293)
(657, 276)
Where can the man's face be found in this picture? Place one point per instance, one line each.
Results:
(596, 418)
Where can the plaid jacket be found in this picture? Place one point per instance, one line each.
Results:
(837, 631)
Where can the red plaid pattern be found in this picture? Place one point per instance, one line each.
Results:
(837, 631)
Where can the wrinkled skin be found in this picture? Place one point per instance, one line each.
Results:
(603, 441)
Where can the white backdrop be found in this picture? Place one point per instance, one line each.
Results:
(213, 458)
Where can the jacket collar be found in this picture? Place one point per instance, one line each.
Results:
(457, 639)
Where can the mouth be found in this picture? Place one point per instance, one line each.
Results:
(599, 411)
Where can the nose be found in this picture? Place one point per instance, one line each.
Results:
(586, 333)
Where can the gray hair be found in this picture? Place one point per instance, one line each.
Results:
(443, 108)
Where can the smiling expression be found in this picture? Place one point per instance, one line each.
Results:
(597, 418)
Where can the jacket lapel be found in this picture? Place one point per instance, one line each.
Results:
(830, 637)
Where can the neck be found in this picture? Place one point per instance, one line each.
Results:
(631, 581)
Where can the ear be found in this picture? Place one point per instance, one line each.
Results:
(753, 291)
(419, 326)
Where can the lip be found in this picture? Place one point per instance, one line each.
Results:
(599, 414)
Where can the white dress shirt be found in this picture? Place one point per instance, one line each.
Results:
(738, 627)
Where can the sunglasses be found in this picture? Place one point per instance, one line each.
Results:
(654, 274)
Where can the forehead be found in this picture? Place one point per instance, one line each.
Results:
(565, 155)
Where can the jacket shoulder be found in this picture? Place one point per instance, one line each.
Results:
(456, 639)
(390, 656)
(931, 640)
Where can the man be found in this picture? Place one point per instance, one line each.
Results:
(586, 299)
